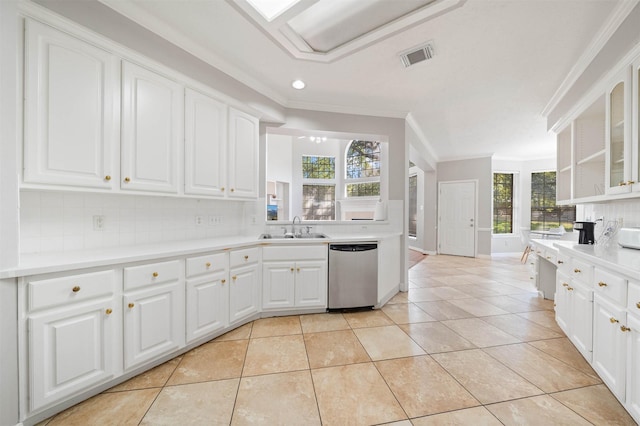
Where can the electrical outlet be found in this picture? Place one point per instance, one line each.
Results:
(198, 220)
(98, 223)
(212, 221)
(253, 219)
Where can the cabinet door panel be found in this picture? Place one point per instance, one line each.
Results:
(561, 302)
(311, 284)
(618, 141)
(244, 296)
(582, 320)
(243, 155)
(71, 350)
(207, 303)
(72, 110)
(153, 323)
(278, 285)
(205, 144)
(633, 373)
(151, 129)
(609, 345)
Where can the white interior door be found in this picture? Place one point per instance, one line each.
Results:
(457, 218)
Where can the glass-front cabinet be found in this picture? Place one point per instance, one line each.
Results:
(565, 166)
(618, 135)
(589, 136)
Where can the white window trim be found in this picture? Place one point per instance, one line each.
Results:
(515, 202)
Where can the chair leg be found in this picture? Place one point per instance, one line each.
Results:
(525, 254)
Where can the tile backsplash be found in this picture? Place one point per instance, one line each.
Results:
(57, 221)
(64, 221)
(624, 212)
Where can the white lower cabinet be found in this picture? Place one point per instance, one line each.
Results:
(73, 324)
(633, 367)
(294, 277)
(154, 312)
(609, 345)
(574, 313)
(561, 301)
(244, 293)
(244, 284)
(581, 333)
(207, 292)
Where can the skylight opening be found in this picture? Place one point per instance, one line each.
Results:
(271, 9)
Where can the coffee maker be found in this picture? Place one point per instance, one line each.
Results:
(586, 229)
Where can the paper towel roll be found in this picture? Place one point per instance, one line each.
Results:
(380, 212)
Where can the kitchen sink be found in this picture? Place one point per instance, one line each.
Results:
(311, 235)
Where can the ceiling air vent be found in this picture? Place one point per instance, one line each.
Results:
(417, 54)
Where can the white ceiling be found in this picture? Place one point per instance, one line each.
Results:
(497, 64)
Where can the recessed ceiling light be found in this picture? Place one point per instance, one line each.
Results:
(298, 84)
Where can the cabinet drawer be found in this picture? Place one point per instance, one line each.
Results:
(207, 264)
(155, 273)
(633, 304)
(244, 257)
(73, 288)
(295, 253)
(550, 256)
(564, 263)
(611, 286)
(581, 271)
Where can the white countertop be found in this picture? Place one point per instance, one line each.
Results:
(32, 264)
(621, 260)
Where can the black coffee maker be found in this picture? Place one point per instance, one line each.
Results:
(586, 235)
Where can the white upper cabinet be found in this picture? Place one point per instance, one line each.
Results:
(152, 129)
(564, 165)
(71, 110)
(618, 176)
(243, 155)
(96, 121)
(205, 145)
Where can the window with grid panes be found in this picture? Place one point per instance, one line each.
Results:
(363, 169)
(545, 213)
(318, 199)
(503, 203)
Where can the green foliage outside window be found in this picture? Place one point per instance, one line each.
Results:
(314, 167)
(545, 214)
(318, 202)
(363, 159)
(502, 203)
(363, 189)
(363, 169)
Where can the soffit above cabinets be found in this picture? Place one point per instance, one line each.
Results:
(327, 30)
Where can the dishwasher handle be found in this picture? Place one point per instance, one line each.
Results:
(353, 247)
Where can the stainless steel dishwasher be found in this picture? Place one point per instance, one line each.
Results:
(353, 275)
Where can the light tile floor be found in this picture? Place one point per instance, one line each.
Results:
(469, 344)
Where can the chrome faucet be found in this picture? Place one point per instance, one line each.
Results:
(293, 225)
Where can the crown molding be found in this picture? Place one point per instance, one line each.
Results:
(163, 29)
(607, 30)
(342, 109)
(283, 34)
(411, 121)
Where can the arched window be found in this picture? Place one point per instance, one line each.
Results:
(363, 169)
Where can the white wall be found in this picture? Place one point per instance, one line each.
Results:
(474, 169)
(279, 155)
(9, 216)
